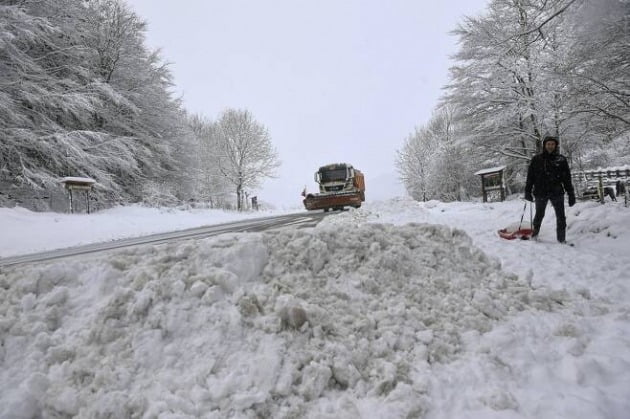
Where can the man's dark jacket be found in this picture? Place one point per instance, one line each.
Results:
(548, 175)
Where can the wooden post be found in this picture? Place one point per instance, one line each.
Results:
(71, 207)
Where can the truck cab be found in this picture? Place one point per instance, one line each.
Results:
(335, 178)
(340, 185)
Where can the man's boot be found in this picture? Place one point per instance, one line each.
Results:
(535, 232)
(561, 235)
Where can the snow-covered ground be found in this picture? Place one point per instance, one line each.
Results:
(24, 231)
(396, 310)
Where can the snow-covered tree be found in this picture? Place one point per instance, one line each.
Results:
(247, 155)
(597, 60)
(140, 108)
(434, 163)
(497, 78)
(112, 26)
(44, 94)
(80, 95)
(450, 176)
(413, 162)
(211, 184)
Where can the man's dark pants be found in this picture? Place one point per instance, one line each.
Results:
(557, 201)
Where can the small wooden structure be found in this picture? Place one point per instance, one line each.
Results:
(81, 184)
(492, 183)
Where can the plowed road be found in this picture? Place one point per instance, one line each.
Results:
(257, 224)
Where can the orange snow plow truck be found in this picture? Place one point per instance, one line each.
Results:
(340, 185)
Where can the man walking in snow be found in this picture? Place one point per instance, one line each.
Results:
(548, 178)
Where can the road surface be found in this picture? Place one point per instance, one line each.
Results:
(258, 224)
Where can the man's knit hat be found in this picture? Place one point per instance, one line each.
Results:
(549, 137)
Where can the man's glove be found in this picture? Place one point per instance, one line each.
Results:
(529, 197)
(571, 200)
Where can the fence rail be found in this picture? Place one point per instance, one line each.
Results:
(613, 173)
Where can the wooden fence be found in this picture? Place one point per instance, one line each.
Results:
(599, 183)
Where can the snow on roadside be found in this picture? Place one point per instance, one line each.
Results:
(577, 359)
(25, 231)
(212, 325)
(372, 314)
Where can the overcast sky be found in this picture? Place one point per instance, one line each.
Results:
(333, 81)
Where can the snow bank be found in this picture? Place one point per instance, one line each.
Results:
(328, 322)
(372, 314)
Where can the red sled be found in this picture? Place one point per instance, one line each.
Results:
(521, 230)
(520, 233)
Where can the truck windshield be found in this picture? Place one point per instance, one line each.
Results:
(332, 175)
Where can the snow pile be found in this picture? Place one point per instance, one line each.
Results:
(246, 325)
(372, 314)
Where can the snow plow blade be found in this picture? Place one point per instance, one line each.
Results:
(333, 201)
